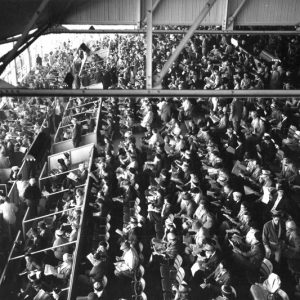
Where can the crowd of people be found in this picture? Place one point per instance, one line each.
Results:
(208, 187)
(224, 198)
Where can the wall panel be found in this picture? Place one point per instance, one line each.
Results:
(266, 12)
(183, 12)
(104, 12)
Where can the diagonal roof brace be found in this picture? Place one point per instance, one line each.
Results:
(236, 12)
(206, 9)
(8, 57)
(153, 9)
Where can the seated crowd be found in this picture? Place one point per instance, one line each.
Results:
(207, 188)
(47, 271)
(222, 198)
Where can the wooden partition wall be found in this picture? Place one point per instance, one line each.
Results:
(92, 137)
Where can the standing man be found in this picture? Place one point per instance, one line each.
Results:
(236, 113)
(76, 133)
(273, 236)
(38, 61)
(32, 196)
(8, 211)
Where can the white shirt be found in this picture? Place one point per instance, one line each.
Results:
(147, 120)
(279, 198)
(130, 258)
(155, 138)
(8, 210)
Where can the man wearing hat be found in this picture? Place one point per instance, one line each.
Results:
(45, 234)
(289, 171)
(273, 236)
(265, 178)
(14, 174)
(236, 113)
(32, 195)
(207, 262)
(268, 149)
(63, 270)
(187, 205)
(133, 233)
(60, 239)
(249, 260)
(76, 132)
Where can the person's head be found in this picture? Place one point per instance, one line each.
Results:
(125, 246)
(169, 223)
(28, 257)
(187, 197)
(102, 246)
(98, 286)
(81, 167)
(171, 237)
(244, 206)
(276, 215)
(229, 131)
(133, 222)
(290, 226)
(253, 114)
(32, 181)
(15, 169)
(42, 225)
(79, 193)
(209, 247)
(74, 121)
(237, 196)
(203, 204)
(67, 258)
(227, 189)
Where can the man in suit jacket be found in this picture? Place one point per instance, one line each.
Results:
(289, 170)
(249, 260)
(32, 195)
(64, 269)
(221, 276)
(272, 236)
(4, 160)
(76, 132)
(236, 113)
(165, 111)
(206, 262)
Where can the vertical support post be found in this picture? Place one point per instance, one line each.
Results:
(14, 71)
(138, 14)
(14, 76)
(149, 46)
(29, 58)
(225, 15)
(206, 9)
